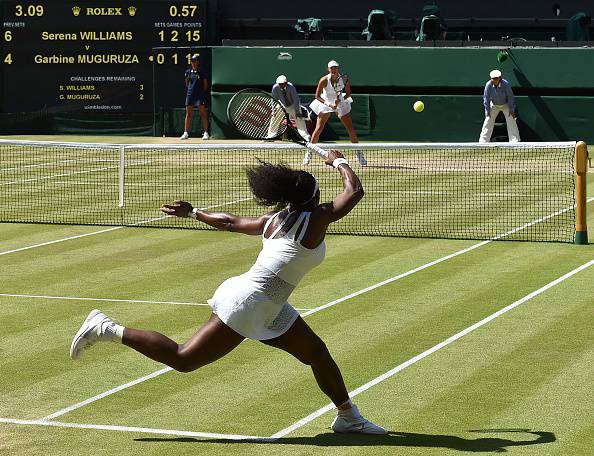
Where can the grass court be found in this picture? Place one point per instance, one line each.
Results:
(455, 346)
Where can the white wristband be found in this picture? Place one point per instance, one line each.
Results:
(193, 213)
(339, 161)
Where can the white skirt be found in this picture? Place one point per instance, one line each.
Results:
(343, 108)
(255, 306)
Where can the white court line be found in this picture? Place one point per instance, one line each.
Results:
(462, 190)
(352, 295)
(107, 393)
(61, 240)
(448, 341)
(37, 165)
(141, 430)
(440, 260)
(74, 298)
(87, 171)
(114, 228)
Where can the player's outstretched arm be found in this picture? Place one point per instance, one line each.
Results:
(219, 220)
(345, 202)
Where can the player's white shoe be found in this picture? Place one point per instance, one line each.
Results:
(307, 158)
(353, 422)
(361, 158)
(185, 135)
(205, 135)
(96, 327)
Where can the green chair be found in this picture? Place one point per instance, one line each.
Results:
(379, 25)
(577, 27)
(430, 29)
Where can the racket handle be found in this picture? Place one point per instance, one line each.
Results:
(318, 150)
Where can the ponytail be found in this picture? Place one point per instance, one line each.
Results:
(280, 185)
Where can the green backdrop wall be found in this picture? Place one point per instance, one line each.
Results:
(554, 88)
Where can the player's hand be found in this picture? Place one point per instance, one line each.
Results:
(514, 115)
(333, 155)
(334, 106)
(178, 208)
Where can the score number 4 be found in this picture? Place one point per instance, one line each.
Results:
(8, 37)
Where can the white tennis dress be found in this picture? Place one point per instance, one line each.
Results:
(329, 95)
(255, 304)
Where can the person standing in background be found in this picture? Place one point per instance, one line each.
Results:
(333, 95)
(498, 96)
(287, 95)
(196, 96)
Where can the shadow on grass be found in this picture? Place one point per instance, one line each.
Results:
(541, 107)
(395, 439)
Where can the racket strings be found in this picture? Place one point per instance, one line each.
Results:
(257, 116)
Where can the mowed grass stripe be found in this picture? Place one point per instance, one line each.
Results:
(17, 235)
(527, 373)
(359, 337)
(135, 264)
(541, 247)
(98, 261)
(45, 376)
(375, 241)
(522, 371)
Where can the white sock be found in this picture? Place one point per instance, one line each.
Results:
(114, 332)
(352, 412)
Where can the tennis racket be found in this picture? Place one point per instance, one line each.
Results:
(257, 115)
(340, 92)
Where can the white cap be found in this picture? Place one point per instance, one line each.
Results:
(332, 63)
(495, 74)
(281, 79)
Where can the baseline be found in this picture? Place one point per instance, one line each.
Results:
(107, 427)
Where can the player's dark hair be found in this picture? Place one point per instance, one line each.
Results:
(279, 185)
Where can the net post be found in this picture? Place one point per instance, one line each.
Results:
(121, 176)
(581, 169)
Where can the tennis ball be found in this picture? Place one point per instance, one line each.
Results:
(419, 106)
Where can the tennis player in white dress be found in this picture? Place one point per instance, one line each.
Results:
(254, 305)
(333, 94)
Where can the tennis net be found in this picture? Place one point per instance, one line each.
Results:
(506, 191)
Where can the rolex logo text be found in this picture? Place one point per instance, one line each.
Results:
(104, 11)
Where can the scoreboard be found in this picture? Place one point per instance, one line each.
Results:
(94, 55)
